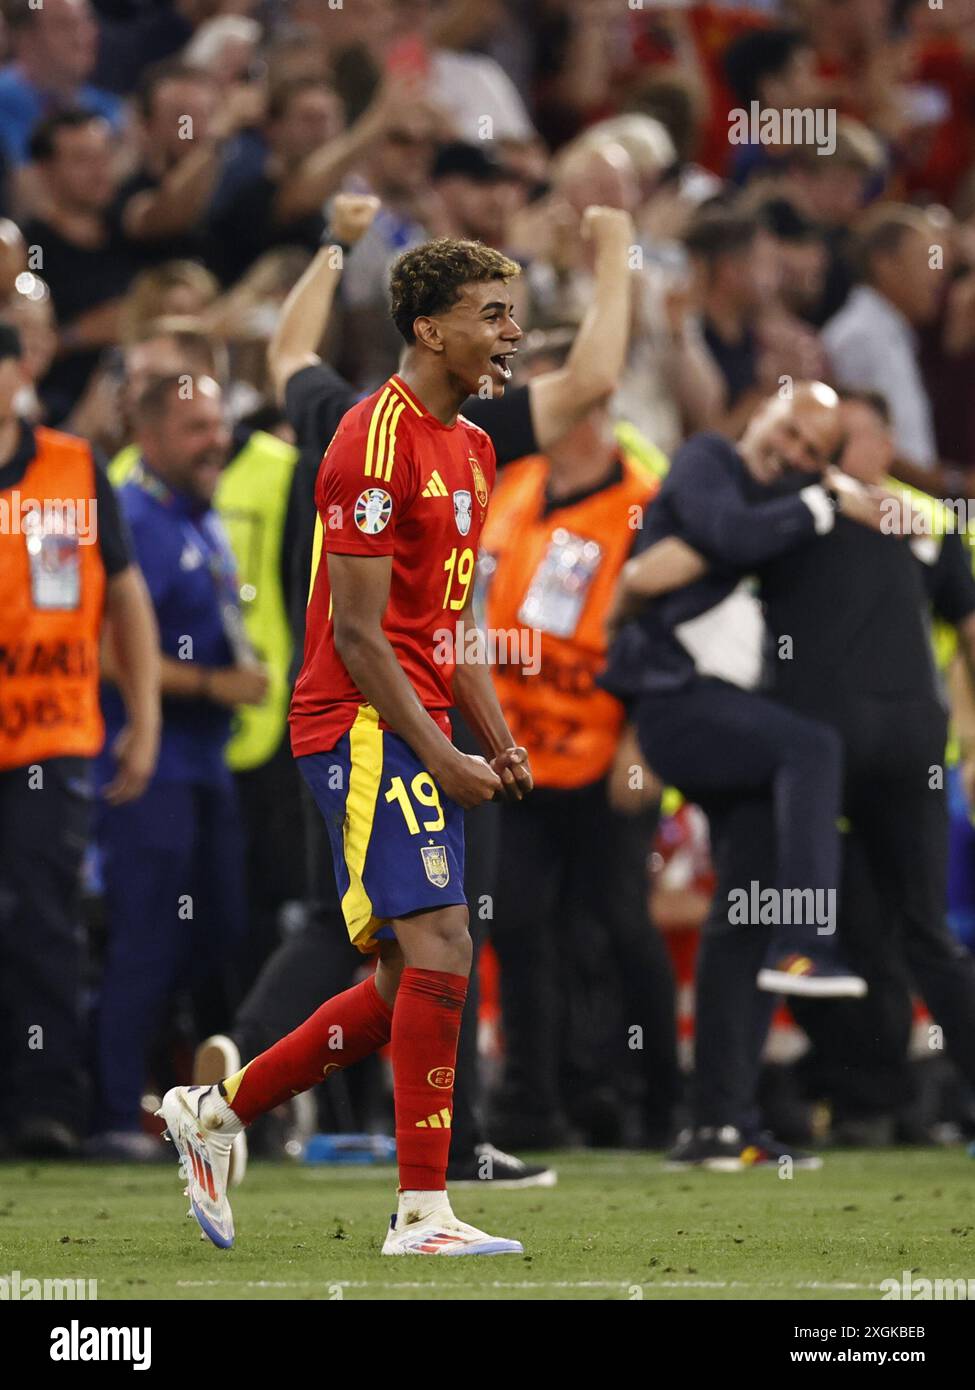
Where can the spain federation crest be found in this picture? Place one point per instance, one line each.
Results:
(480, 482)
(435, 865)
(462, 511)
(373, 508)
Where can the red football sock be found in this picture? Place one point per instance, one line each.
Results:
(426, 1022)
(345, 1029)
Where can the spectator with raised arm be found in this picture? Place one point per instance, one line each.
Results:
(81, 253)
(184, 124)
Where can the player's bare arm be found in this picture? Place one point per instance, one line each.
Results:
(360, 593)
(560, 399)
(305, 313)
(477, 700)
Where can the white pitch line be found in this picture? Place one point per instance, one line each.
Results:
(521, 1284)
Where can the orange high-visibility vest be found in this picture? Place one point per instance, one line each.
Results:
(52, 593)
(552, 577)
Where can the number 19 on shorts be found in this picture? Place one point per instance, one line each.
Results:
(424, 791)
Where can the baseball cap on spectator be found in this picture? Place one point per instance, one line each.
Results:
(461, 160)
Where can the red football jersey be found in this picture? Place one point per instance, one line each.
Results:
(394, 481)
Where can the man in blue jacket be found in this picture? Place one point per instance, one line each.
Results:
(173, 859)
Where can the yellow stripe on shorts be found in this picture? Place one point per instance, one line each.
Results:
(366, 770)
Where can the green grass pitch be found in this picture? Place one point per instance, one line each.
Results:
(616, 1227)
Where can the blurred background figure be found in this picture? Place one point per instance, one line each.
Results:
(55, 47)
(172, 862)
(68, 583)
(83, 255)
(579, 958)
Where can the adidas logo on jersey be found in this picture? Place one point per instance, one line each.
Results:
(435, 487)
(441, 1121)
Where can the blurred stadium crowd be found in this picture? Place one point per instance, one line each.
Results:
(169, 175)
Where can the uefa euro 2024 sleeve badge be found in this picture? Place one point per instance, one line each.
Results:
(373, 509)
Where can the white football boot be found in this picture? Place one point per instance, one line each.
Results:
(215, 1060)
(203, 1142)
(423, 1226)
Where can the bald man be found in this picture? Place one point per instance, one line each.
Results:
(689, 663)
(854, 607)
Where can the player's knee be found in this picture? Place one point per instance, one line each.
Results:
(450, 931)
(438, 941)
(390, 968)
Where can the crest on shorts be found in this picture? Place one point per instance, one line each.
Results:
(462, 511)
(373, 509)
(480, 482)
(435, 865)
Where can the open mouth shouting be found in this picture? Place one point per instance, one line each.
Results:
(501, 362)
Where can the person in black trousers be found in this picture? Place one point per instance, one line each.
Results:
(689, 665)
(893, 722)
(855, 606)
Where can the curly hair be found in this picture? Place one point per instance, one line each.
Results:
(428, 279)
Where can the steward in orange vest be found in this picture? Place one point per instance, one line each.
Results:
(64, 565)
(552, 565)
(52, 577)
(570, 924)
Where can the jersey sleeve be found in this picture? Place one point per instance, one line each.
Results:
(367, 481)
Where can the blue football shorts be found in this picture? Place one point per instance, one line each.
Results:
(397, 840)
